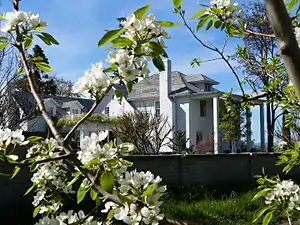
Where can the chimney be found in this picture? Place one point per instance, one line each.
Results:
(166, 104)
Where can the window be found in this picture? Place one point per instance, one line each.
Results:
(202, 108)
(207, 87)
(75, 111)
(112, 96)
(106, 111)
(157, 109)
(51, 111)
(199, 136)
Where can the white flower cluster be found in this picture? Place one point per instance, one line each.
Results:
(282, 144)
(91, 148)
(133, 65)
(94, 81)
(7, 136)
(68, 218)
(220, 3)
(285, 192)
(141, 187)
(53, 173)
(27, 21)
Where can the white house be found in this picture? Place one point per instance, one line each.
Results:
(190, 102)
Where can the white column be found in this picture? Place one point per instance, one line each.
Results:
(216, 124)
(248, 128)
(262, 127)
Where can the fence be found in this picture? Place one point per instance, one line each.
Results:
(176, 170)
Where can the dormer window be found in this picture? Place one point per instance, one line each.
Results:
(50, 111)
(207, 87)
(75, 111)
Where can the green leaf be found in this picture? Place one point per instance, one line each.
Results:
(20, 70)
(30, 189)
(261, 193)
(157, 48)
(199, 13)
(209, 25)
(43, 66)
(42, 37)
(107, 181)
(202, 22)
(120, 42)
(260, 212)
(129, 85)
(50, 38)
(28, 42)
(218, 24)
(36, 211)
(168, 24)
(127, 163)
(3, 45)
(34, 139)
(149, 190)
(158, 62)
(81, 192)
(177, 3)
(291, 4)
(112, 68)
(16, 171)
(119, 95)
(93, 194)
(267, 219)
(110, 215)
(3, 39)
(139, 13)
(109, 36)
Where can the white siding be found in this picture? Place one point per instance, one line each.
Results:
(147, 105)
(115, 108)
(50, 104)
(183, 112)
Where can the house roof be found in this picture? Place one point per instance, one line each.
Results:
(27, 102)
(181, 84)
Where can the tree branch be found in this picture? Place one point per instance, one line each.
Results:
(88, 114)
(288, 46)
(181, 13)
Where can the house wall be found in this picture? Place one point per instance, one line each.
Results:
(201, 124)
(75, 106)
(115, 108)
(50, 104)
(182, 116)
(148, 105)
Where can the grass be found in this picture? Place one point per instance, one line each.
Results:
(211, 207)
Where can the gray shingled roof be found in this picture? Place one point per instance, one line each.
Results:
(27, 103)
(181, 84)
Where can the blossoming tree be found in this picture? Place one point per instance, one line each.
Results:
(99, 169)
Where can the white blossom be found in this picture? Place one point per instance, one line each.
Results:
(282, 144)
(220, 3)
(285, 192)
(27, 20)
(68, 218)
(95, 81)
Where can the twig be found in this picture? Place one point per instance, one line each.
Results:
(181, 13)
(96, 103)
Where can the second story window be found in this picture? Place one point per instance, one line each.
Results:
(75, 111)
(51, 111)
(106, 111)
(207, 87)
(157, 109)
(202, 108)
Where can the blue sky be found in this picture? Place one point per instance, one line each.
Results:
(78, 27)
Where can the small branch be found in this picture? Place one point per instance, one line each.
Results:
(287, 43)
(88, 114)
(181, 13)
